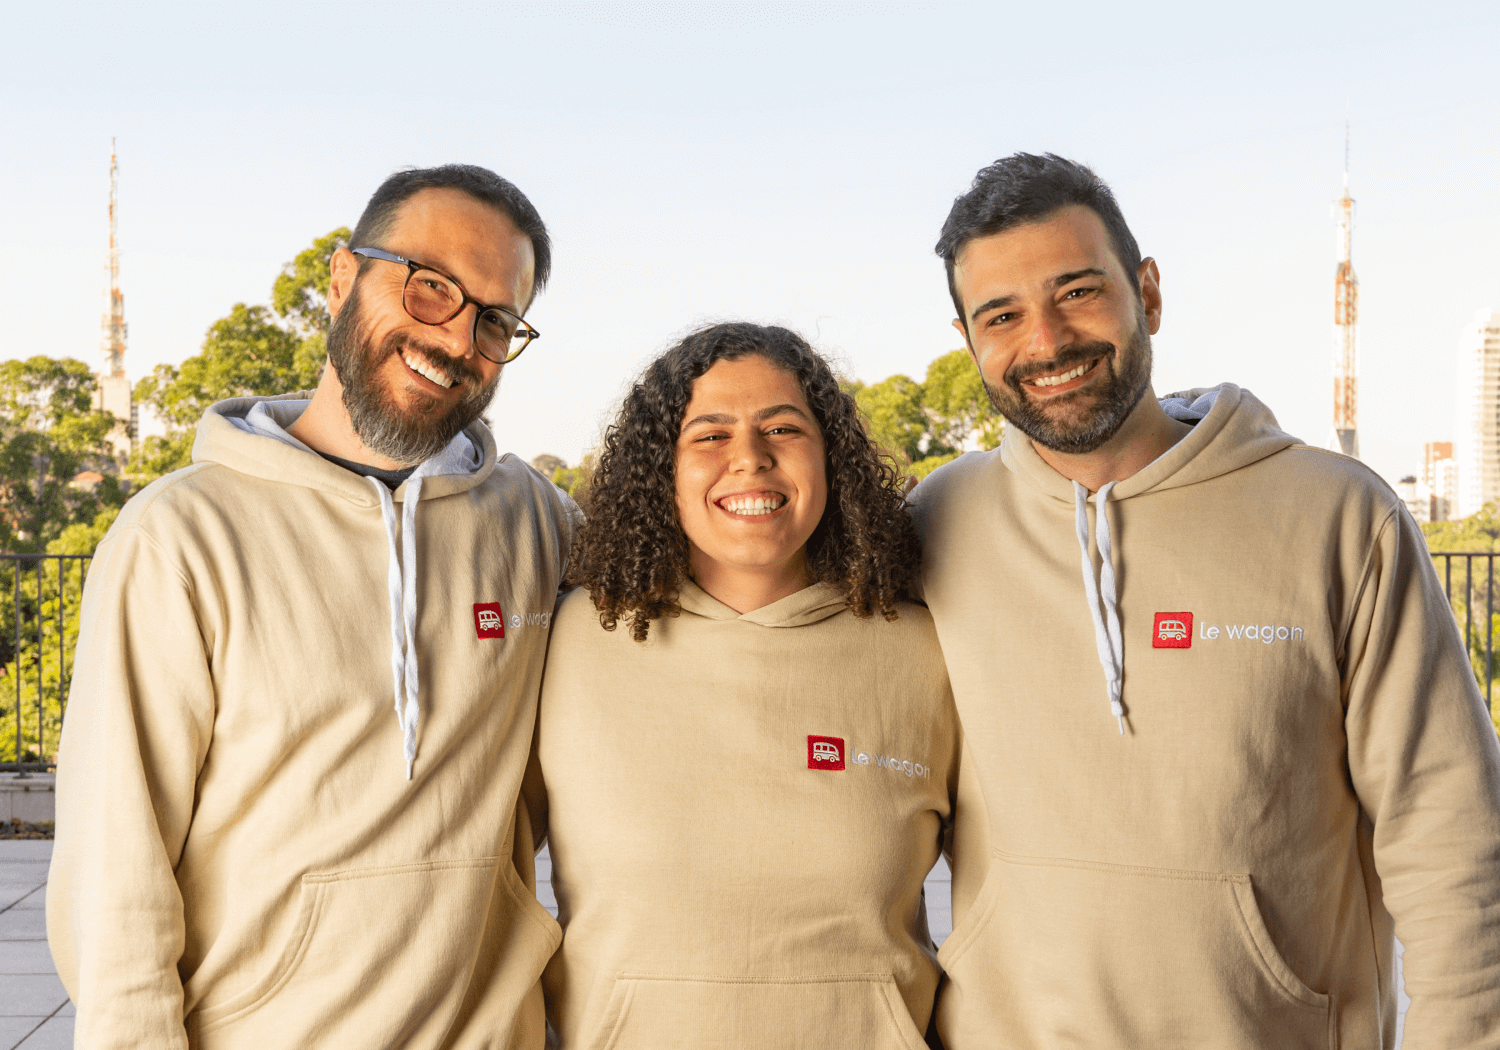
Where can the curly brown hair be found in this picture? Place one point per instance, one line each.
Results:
(632, 554)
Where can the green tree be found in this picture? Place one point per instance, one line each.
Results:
(49, 433)
(893, 412)
(924, 425)
(252, 351)
(958, 406)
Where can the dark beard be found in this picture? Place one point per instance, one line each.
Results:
(1119, 396)
(407, 436)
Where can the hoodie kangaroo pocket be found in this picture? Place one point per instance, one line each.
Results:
(650, 1011)
(1069, 953)
(381, 957)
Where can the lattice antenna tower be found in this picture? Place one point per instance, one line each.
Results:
(113, 342)
(1345, 326)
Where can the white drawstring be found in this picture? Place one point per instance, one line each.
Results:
(1107, 636)
(401, 587)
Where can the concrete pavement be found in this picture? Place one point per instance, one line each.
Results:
(34, 1008)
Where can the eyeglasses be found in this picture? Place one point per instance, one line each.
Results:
(434, 298)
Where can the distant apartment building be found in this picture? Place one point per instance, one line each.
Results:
(1477, 418)
(1440, 477)
(1416, 497)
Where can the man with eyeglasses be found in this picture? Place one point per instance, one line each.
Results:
(252, 850)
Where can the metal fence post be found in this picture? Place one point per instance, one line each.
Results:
(16, 568)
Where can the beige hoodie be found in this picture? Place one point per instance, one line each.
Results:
(241, 859)
(1305, 756)
(742, 810)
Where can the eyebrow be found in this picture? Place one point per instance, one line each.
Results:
(1057, 282)
(719, 419)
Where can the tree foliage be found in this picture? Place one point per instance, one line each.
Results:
(251, 351)
(49, 433)
(924, 425)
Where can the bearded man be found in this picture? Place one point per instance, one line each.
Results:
(1207, 836)
(253, 849)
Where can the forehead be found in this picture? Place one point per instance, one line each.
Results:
(468, 239)
(750, 383)
(1071, 239)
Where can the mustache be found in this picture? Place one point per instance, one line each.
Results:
(1063, 360)
(463, 375)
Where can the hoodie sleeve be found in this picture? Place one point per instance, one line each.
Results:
(138, 725)
(1424, 761)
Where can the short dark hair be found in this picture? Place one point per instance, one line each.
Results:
(631, 552)
(1025, 188)
(480, 183)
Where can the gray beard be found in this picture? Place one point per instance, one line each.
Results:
(408, 436)
(1115, 402)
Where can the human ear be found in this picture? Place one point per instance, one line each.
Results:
(1149, 279)
(343, 269)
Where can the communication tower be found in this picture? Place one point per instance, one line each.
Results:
(114, 388)
(1345, 327)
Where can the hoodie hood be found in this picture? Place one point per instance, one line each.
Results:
(809, 605)
(1231, 429)
(248, 435)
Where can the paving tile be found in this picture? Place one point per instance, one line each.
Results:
(25, 957)
(14, 1029)
(36, 901)
(23, 872)
(25, 849)
(30, 995)
(67, 1011)
(56, 1034)
(11, 895)
(23, 924)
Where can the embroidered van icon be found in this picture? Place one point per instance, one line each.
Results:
(825, 752)
(489, 621)
(1173, 630)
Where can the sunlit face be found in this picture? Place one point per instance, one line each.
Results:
(410, 387)
(751, 479)
(1057, 329)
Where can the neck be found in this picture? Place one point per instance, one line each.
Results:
(1147, 432)
(747, 590)
(325, 426)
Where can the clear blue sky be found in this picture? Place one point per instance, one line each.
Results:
(786, 162)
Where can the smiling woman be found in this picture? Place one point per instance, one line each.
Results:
(678, 450)
(746, 790)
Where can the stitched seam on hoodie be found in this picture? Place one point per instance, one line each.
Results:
(1364, 583)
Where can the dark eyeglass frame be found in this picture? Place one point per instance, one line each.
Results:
(412, 266)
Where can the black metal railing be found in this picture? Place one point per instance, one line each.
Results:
(1469, 582)
(36, 653)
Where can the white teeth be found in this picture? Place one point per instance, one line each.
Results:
(1054, 380)
(426, 371)
(752, 504)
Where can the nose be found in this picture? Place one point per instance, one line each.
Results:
(750, 454)
(1050, 331)
(456, 335)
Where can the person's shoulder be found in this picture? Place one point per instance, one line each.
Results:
(182, 495)
(518, 482)
(1321, 476)
(954, 478)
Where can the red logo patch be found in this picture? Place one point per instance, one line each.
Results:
(489, 621)
(825, 752)
(1173, 630)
